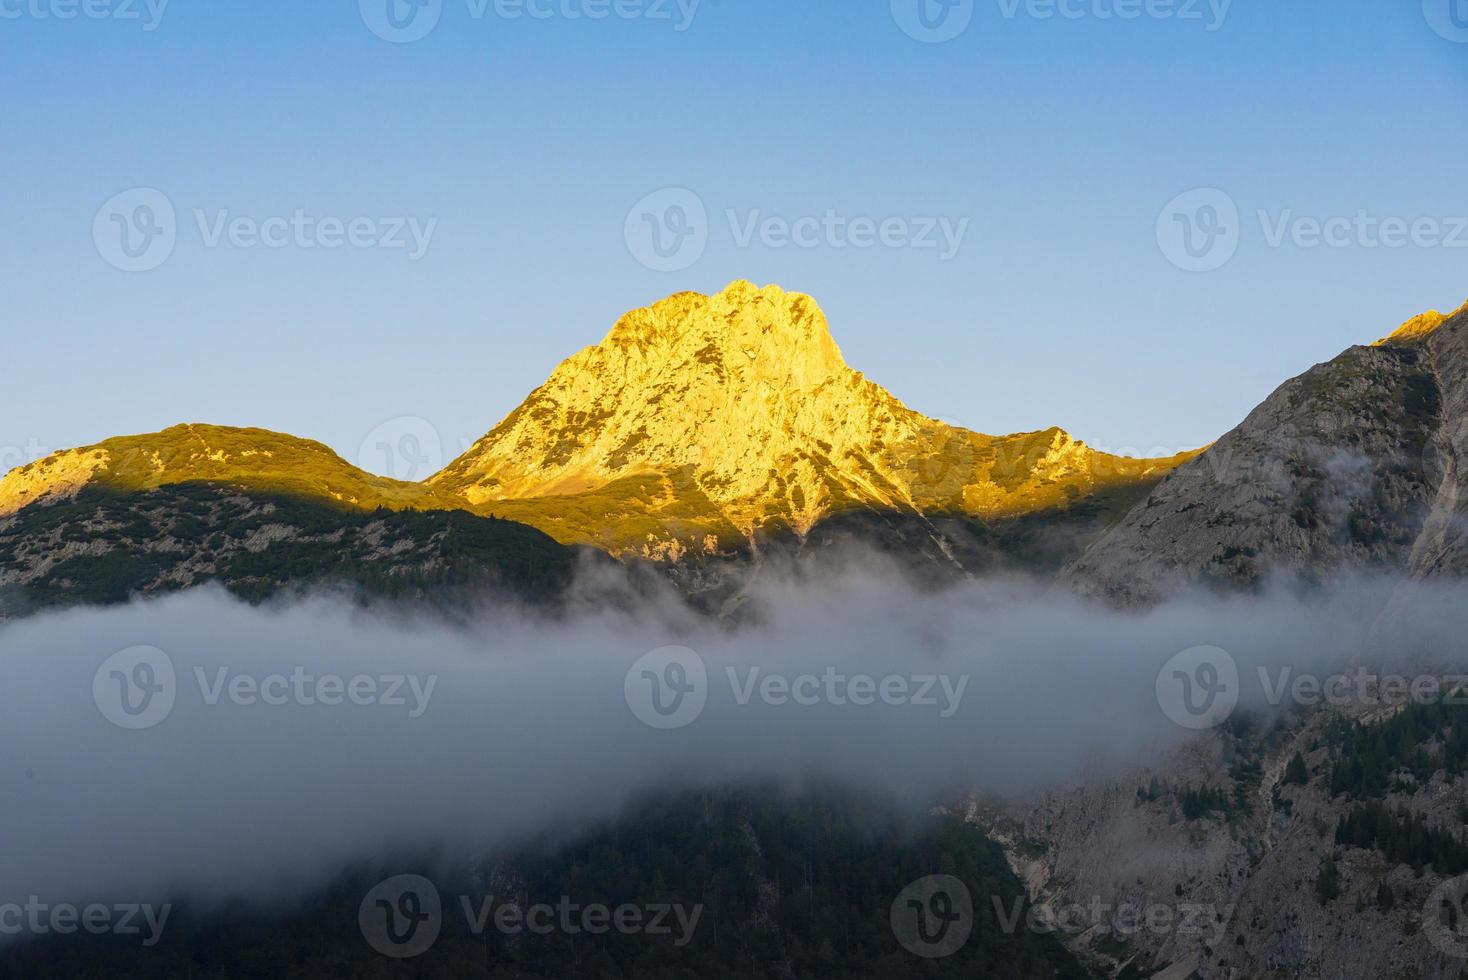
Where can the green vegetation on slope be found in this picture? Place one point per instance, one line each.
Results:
(1368, 761)
(106, 547)
(796, 887)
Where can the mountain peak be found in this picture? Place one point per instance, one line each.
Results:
(1420, 326)
(256, 459)
(780, 336)
(722, 414)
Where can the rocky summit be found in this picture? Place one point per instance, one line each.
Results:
(701, 421)
(698, 425)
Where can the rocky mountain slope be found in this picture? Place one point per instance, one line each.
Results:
(705, 433)
(100, 546)
(1309, 845)
(1353, 464)
(702, 421)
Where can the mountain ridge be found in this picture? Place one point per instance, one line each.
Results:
(1355, 464)
(742, 403)
(694, 426)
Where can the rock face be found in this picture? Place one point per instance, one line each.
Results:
(1353, 464)
(1143, 876)
(702, 420)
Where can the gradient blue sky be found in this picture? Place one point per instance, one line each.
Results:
(1060, 140)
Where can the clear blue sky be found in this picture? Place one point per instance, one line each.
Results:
(1059, 139)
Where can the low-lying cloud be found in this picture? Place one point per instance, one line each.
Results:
(297, 740)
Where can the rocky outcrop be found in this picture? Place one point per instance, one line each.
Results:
(1139, 882)
(702, 420)
(1352, 465)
